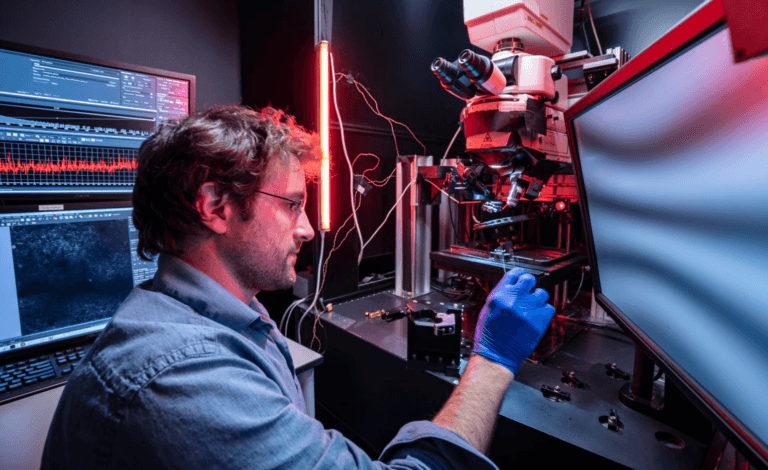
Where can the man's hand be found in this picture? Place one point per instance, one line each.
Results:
(513, 320)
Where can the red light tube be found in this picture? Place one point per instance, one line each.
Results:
(324, 130)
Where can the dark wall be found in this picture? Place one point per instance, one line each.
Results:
(277, 44)
(388, 47)
(197, 37)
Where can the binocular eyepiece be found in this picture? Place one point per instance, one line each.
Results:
(471, 74)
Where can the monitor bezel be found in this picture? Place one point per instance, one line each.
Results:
(54, 54)
(65, 206)
(707, 19)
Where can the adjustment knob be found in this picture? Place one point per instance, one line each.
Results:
(557, 72)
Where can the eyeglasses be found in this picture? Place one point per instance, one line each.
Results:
(296, 205)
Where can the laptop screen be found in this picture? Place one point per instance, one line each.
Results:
(67, 269)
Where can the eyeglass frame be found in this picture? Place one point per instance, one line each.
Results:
(300, 203)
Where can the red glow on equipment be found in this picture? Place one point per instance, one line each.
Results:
(324, 130)
(560, 205)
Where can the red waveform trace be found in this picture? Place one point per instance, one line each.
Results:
(59, 166)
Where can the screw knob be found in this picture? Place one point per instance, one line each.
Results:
(557, 72)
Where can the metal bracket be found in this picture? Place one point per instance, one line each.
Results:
(555, 394)
(612, 370)
(570, 379)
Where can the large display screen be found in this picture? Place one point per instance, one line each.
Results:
(674, 174)
(75, 126)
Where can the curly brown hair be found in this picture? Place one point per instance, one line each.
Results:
(230, 146)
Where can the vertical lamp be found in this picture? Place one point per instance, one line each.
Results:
(324, 130)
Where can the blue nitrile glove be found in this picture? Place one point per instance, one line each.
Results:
(513, 320)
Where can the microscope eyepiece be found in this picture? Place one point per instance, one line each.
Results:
(445, 70)
(473, 64)
(453, 79)
(482, 72)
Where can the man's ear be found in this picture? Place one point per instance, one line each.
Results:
(214, 208)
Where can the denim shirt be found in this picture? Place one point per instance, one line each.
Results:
(186, 376)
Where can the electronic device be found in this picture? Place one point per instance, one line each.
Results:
(67, 267)
(513, 120)
(514, 194)
(72, 125)
(434, 334)
(670, 156)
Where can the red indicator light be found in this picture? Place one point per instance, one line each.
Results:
(560, 205)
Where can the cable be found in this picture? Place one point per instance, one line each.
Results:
(592, 21)
(455, 225)
(584, 28)
(360, 88)
(335, 246)
(451, 197)
(287, 314)
(317, 286)
(351, 170)
(389, 213)
(578, 291)
(366, 94)
(376, 183)
(450, 144)
(475, 219)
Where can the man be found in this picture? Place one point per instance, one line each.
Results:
(192, 373)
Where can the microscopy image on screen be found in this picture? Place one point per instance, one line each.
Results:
(68, 274)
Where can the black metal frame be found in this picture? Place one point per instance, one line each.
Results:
(698, 25)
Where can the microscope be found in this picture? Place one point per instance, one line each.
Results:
(513, 120)
(502, 206)
(512, 201)
(519, 175)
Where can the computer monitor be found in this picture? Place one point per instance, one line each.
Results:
(71, 125)
(671, 157)
(66, 268)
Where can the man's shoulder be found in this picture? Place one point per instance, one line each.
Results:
(150, 332)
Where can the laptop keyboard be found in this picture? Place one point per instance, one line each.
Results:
(23, 377)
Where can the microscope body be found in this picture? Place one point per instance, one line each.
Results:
(513, 119)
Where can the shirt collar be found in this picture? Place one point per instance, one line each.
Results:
(210, 299)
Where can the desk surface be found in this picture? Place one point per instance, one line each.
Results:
(303, 357)
(576, 421)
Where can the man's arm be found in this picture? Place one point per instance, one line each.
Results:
(510, 326)
(473, 407)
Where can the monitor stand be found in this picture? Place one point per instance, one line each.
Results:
(640, 394)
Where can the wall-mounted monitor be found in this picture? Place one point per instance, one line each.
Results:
(671, 156)
(73, 125)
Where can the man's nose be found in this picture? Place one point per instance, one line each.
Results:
(304, 229)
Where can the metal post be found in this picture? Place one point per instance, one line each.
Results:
(556, 296)
(413, 233)
(567, 250)
(449, 214)
(642, 377)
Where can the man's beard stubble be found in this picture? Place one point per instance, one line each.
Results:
(266, 274)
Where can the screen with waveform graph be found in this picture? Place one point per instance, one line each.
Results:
(72, 125)
(26, 165)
